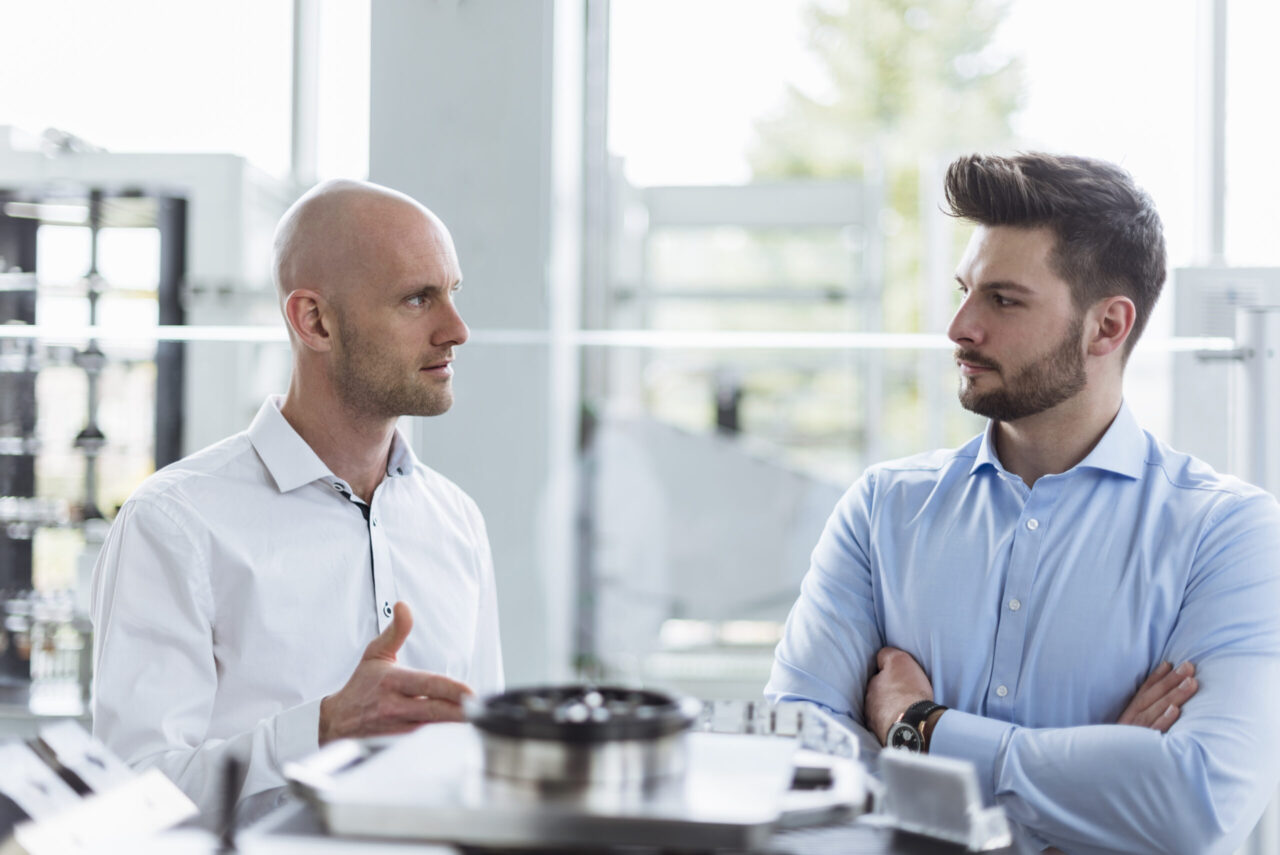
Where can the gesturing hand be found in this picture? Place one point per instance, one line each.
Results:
(382, 698)
(1158, 701)
(898, 684)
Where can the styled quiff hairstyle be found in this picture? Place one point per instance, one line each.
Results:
(1109, 237)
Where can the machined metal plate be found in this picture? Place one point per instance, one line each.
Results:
(430, 785)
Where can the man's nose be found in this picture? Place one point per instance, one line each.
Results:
(964, 328)
(452, 329)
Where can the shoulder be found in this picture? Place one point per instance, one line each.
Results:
(445, 493)
(1190, 479)
(910, 480)
(196, 477)
(924, 469)
(1231, 521)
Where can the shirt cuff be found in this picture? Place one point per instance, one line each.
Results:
(979, 740)
(298, 732)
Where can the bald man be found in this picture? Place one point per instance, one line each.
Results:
(308, 579)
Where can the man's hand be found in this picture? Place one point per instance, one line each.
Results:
(1158, 701)
(381, 697)
(898, 684)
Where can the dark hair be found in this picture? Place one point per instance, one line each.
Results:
(1109, 237)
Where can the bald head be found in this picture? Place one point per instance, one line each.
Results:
(342, 232)
(367, 278)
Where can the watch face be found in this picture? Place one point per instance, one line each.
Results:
(903, 735)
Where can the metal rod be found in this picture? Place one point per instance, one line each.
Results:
(645, 339)
(306, 91)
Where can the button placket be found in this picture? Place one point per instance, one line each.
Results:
(384, 587)
(1011, 617)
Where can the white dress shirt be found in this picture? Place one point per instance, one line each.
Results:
(239, 586)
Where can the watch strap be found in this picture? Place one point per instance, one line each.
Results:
(917, 714)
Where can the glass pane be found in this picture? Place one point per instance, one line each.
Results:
(153, 75)
(714, 470)
(1253, 129)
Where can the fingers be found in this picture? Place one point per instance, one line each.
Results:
(1166, 719)
(388, 644)
(407, 714)
(1159, 700)
(1164, 712)
(1161, 670)
(425, 710)
(425, 684)
(1158, 684)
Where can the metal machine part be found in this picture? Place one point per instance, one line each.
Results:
(573, 736)
(938, 797)
(734, 793)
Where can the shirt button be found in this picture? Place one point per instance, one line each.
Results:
(338, 487)
(1002, 691)
(1033, 524)
(1015, 604)
(374, 520)
(386, 610)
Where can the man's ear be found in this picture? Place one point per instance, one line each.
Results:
(305, 311)
(1109, 324)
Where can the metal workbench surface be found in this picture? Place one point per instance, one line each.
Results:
(296, 827)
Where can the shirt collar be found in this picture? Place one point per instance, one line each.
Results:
(286, 455)
(1122, 449)
(401, 460)
(292, 463)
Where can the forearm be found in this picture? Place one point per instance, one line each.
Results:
(156, 678)
(199, 766)
(1115, 787)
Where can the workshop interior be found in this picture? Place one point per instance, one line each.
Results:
(708, 277)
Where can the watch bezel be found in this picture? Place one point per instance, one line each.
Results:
(906, 736)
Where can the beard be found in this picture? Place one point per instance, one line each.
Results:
(373, 380)
(1040, 385)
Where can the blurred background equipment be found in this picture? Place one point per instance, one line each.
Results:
(101, 242)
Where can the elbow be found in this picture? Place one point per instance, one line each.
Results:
(1202, 813)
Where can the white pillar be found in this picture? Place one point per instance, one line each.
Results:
(475, 110)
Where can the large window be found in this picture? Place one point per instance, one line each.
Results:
(151, 75)
(711, 444)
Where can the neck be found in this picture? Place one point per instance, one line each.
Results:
(1057, 439)
(355, 447)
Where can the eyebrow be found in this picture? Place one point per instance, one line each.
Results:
(1000, 285)
(433, 289)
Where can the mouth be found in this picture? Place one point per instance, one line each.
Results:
(443, 369)
(971, 366)
(968, 369)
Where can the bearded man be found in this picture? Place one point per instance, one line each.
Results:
(1088, 616)
(256, 598)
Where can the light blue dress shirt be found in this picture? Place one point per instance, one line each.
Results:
(1037, 612)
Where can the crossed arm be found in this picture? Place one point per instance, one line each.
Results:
(900, 682)
(1192, 780)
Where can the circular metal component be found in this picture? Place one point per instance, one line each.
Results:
(621, 764)
(584, 735)
(584, 714)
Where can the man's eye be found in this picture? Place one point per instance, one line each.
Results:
(1002, 302)
(417, 300)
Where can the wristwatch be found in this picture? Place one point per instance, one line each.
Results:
(907, 731)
